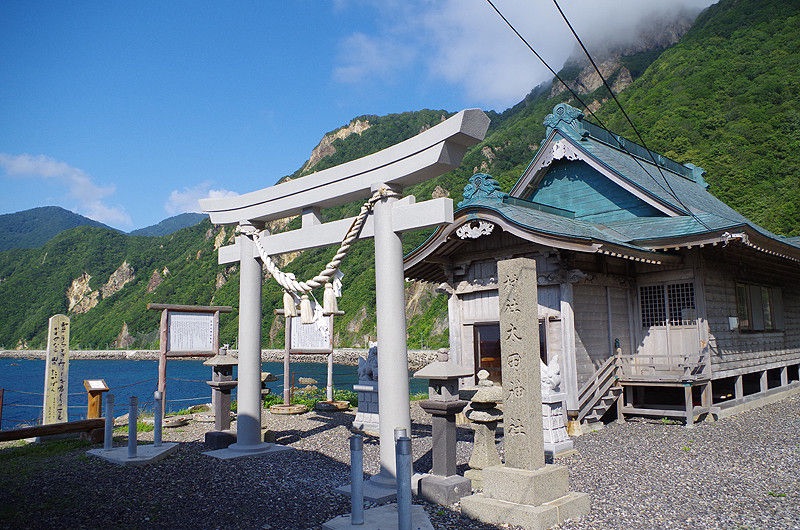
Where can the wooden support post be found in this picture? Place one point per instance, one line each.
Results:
(621, 406)
(707, 396)
(738, 392)
(687, 396)
(329, 386)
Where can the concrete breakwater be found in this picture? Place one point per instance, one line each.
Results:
(347, 356)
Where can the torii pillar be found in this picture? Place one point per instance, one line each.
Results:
(425, 156)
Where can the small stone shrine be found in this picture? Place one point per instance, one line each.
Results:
(367, 418)
(524, 491)
(442, 485)
(56, 377)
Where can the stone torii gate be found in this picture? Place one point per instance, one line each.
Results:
(425, 156)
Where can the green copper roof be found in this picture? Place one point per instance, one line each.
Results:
(636, 171)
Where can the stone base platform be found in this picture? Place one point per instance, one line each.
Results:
(234, 452)
(381, 518)
(533, 499)
(144, 454)
(440, 490)
(219, 439)
(375, 489)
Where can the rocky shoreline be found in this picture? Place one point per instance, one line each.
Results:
(346, 356)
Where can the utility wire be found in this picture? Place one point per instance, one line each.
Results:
(624, 113)
(589, 110)
(574, 94)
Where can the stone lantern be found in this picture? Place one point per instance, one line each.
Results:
(442, 485)
(222, 383)
(484, 414)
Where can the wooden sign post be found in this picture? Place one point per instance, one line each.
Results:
(186, 331)
(95, 388)
(315, 338)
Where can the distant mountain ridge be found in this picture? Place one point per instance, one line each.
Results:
(35, 227)
(170, 225)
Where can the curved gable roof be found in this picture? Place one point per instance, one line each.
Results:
(681, 213)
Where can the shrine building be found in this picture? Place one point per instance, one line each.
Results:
(658, 299)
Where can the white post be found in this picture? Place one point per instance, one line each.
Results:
(248, 430)
(329, 387)
(393, 400)
(569, 369)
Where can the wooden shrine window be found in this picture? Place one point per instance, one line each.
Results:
(670, 304)
(759, 308)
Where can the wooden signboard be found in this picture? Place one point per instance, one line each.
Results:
(316, 337)
(192, 333)
(186, 331)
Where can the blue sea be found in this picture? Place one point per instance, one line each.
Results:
(23, 382)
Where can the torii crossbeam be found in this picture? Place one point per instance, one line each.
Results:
(425, 156)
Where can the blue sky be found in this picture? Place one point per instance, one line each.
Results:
(128, 112)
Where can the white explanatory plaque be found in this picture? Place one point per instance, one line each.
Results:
(316, 337)
(190, 332)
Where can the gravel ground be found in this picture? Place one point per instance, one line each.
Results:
(740, 472)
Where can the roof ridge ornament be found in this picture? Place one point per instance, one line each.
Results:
(482, 186)
(569, 116)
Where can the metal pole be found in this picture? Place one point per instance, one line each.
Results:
(2, 391)
(132, 418)
(108, 440)
(403, 453)
(157, 420)
(393, 400)
(356, 480)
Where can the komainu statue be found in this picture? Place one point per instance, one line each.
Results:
(368, 368)
(551, 377)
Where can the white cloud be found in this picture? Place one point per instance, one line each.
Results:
(466, 44)
(362, 57)
(187, 199)
(88, 198)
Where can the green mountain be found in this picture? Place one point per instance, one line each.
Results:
(170, 225)
(723, 96)
(726, 98)
(33, 228)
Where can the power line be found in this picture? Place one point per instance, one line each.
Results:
(574, 94)
(624, 113)
(594, 116)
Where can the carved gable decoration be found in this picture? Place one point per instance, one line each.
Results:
(481, 187)
(563, 113)
(474, 229)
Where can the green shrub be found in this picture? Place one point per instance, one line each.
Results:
(141, 426)
(346, 395)
(272, 399)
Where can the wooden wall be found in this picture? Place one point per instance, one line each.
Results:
(736, 352)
